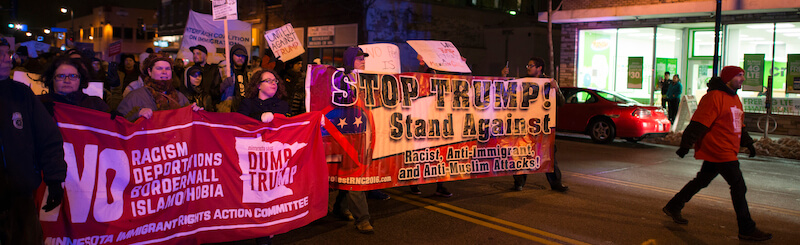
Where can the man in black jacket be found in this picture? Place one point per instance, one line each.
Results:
(30, 151)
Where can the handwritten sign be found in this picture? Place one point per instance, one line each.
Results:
(284, 42)
(383, 58)
(440, 55)
(225, 9)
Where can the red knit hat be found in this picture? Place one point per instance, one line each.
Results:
(729, 72)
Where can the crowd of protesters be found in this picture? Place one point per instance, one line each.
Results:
(136, 85)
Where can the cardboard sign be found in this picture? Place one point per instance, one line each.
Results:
(383, 58)
(284, 42)
(440, 55)
(225, 9)
(115, 48)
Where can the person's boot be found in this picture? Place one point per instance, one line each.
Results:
(442, 192)
(755, 235)
(676, 215)
(415, 190)
(365, 227)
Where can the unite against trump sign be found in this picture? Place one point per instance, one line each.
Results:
(415, 128)
(185, 177)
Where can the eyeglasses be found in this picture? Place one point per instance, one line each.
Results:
(270, 81)
(73, 77)
(529, 66)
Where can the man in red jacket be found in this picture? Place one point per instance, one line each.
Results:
(718, 129)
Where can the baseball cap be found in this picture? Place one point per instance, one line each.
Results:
(199, 47)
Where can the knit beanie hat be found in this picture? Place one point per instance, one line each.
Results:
(729, 72)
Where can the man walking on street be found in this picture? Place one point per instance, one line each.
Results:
(717, 127)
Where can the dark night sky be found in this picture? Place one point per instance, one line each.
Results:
(45, 13)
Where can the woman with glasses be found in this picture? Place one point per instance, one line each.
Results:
(66, 78)
(263, 97)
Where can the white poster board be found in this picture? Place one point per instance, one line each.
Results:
(34, 47)
(225, 9)
(284, 42)
(38, 88)
(440, 55)
(30, 79)
(383, 58)
(201, 29)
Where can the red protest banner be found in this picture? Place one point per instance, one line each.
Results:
(185, 177)
(388, 130)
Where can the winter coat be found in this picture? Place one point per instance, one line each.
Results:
(77, 98)
(31, 143)
(254, 107)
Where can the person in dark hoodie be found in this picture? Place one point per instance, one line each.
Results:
(295, 79)
(238, 78)
(717, 128)
(66, 78)
(211, 75)
(32, 152)
(194, 90)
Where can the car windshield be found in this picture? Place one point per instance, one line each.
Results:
(618, 98)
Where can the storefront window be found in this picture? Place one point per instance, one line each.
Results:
(596, 56)
(758, 39)
(604, 64)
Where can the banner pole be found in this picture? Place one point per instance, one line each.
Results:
(227, 50)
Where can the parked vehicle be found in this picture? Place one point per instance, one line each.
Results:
(606, 115)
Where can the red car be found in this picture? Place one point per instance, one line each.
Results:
(607, 115)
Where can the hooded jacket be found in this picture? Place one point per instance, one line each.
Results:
(30, 142)
(203, 95)
(236, 72)
(711, 134)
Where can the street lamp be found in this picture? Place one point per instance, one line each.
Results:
(72, 17)
(46, 31)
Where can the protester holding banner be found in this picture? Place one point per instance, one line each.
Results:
(32, 152)
(356, 200)
(440, 189)
(157, 94)
(211, 75)
(263, 97)
(535, 68)
(193, 90)
(66, 78)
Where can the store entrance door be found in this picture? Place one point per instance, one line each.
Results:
(699, 71)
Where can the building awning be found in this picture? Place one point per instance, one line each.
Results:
(671, 10)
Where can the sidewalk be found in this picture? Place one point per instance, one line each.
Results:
(776, 145)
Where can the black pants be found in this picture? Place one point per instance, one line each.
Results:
(664, 101)
(553, 178)
(672, 108)
(733, 175)
(19, 221)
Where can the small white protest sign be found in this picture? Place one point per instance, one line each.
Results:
(284, 42)
(440, 55)
(383, 58)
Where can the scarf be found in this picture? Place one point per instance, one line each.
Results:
(164, 93)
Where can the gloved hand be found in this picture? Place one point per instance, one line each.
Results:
(56, 194)
(752, 150)
(682, 152)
